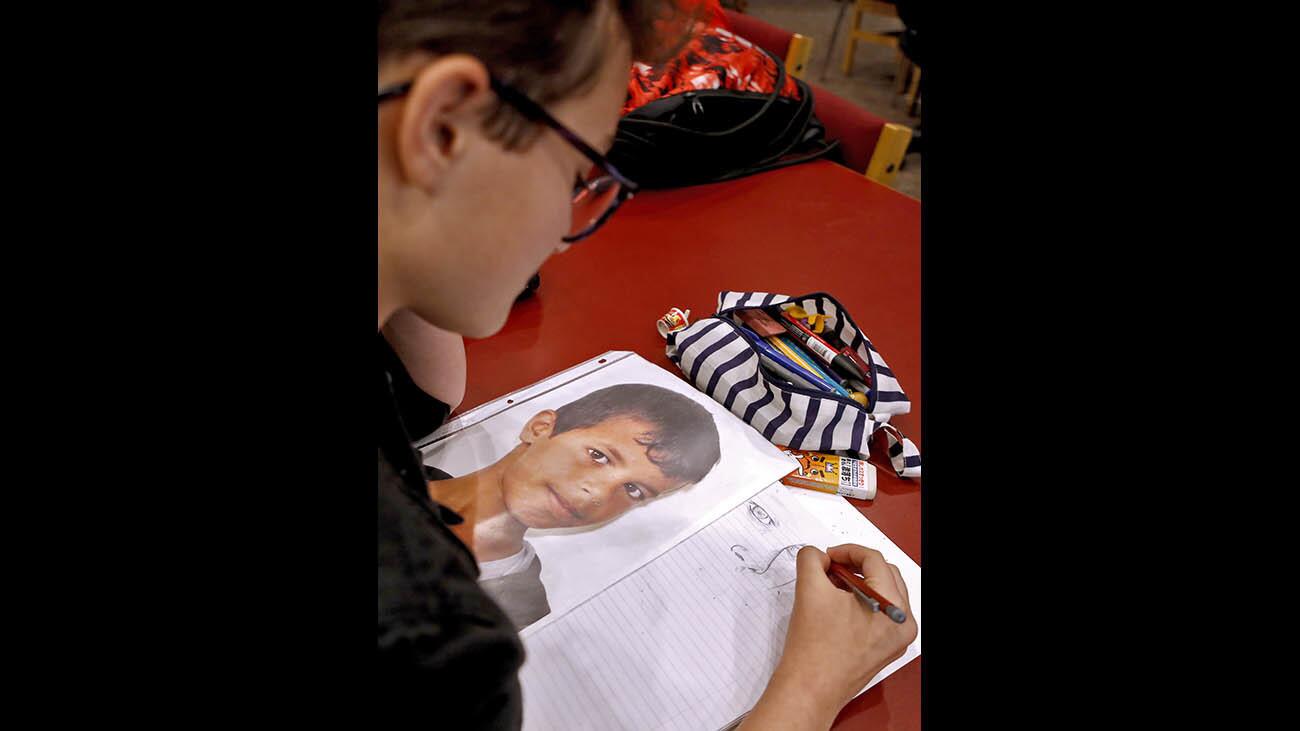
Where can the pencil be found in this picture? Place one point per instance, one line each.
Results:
(789, 370)
(791, 351)
(877, 602)
(816, 369)
(781, 345)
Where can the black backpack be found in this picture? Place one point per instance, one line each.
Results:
(710, 135)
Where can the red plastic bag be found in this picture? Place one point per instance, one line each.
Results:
(715, 59)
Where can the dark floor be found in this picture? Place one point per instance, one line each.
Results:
(872, 82)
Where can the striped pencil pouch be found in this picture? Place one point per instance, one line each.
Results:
(722, 362)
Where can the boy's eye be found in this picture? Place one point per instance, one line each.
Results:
(597, 456)
(634, 491)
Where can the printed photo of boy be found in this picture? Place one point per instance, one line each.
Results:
(582, 464)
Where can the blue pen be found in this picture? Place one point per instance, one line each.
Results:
(816, 369)
(787, 376)
(776, 356)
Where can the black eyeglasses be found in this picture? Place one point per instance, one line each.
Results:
(595, 196)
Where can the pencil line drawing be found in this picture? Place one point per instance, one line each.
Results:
(740, 551)
(761, 516)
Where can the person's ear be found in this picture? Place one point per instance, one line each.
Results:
(538, 427)
(443, 111)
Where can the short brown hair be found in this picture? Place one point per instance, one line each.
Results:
(548, 49)
(683, 440)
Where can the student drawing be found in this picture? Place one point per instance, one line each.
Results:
(775, 569)
(582, 465)
(760, 515)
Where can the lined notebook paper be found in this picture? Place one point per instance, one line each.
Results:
(689, 640)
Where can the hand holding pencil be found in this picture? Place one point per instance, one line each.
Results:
(836, 643)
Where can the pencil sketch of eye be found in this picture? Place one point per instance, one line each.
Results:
(761, 516)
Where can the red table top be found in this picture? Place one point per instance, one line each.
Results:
(816, 227)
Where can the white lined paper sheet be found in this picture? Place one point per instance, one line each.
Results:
(687, 641)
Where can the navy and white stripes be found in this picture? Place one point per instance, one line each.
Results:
(718, 361)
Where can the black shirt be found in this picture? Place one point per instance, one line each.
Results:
(438, 631)
(420, 412)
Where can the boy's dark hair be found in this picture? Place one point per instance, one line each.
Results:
(684, 443)
(548, 49)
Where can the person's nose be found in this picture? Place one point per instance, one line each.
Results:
(594, 492)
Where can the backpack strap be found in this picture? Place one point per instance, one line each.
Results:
(774, 162)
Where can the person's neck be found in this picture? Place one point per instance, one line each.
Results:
(497, 533)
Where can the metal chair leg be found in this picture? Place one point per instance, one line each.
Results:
(914, 93)
(830, 47)
(904, 72)
(853, 40)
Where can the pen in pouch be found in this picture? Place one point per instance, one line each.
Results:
(783, 374)
(852, 355)
(830, 356)
(783, 346)
(793, 350)
(788, 369)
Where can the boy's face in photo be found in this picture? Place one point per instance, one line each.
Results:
(583, 476)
